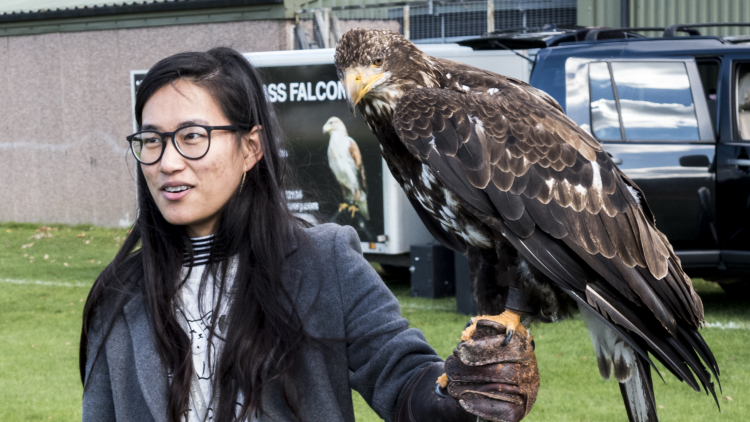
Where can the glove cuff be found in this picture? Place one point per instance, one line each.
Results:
(422, 404)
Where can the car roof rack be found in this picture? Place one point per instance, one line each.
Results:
(669, 32)
(596, 34)
(549, 36)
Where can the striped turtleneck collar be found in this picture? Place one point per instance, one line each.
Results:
(201, 251)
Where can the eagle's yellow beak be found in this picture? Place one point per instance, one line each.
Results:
(358, 82)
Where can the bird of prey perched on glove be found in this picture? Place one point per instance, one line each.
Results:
(496, 171)
(345, 162)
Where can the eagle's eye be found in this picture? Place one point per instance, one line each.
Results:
(378, 61)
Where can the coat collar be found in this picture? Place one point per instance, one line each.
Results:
(292, 240)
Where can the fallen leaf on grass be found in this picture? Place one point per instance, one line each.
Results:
(41, 236)
(661, 407)
(8, 231)
(46, 256)
(65, 264)
(25, 255)
(729, 398)
(28, 245)
(87, 242)
(81, 235)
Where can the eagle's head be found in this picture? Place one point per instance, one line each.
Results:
(378, 66)
(334, 124)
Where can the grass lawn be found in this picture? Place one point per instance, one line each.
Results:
(42, 299)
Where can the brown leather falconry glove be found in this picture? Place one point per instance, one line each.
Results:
(486, 379)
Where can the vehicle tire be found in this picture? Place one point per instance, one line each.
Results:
(739, 289)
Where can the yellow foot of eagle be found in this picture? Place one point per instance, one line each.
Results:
(508, 319)
(350, 208)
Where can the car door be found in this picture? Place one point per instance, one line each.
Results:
(651, 117)
(733, 164)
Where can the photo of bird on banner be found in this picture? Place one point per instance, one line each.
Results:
(497, 172)
(345, 162)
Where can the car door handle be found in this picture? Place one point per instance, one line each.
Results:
(740, 162)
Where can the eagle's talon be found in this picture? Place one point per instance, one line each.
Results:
(508, 337)
(439, 392)
(353, 209)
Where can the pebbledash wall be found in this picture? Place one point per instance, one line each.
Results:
(65, 109)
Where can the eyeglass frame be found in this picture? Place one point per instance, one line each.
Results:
(164, 135)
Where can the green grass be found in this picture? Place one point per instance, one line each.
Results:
(40, 323)
(40, 327)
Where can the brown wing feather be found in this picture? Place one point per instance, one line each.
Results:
(357, 156)
(540, 171)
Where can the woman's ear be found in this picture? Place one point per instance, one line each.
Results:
(251, 148)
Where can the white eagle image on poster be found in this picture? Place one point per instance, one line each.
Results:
(345, 161)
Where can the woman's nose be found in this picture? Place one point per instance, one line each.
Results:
(171, 161)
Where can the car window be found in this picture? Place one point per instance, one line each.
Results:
(655, 101)
(709, 73)
(743, 100)
(605, 121)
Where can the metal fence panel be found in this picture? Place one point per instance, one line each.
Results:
(431, 21)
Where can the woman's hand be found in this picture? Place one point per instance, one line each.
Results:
(490, 380)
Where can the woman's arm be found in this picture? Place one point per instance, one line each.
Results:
(384, 354)
(395, 370)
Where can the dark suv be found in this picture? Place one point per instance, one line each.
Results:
(674, 114)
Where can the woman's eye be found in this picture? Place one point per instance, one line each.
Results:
(378, 61)
(193, 137)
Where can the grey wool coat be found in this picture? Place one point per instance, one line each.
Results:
(338, 295)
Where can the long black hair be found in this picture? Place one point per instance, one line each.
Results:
(265, 333)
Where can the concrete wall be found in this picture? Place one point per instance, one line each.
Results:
(65, 109)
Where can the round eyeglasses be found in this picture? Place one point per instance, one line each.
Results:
(192, 142)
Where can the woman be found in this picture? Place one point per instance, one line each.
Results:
(222, 306)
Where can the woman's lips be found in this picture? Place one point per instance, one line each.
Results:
(175, 196)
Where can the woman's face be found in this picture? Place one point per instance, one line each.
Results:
(211, 180)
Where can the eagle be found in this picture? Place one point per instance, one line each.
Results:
(496, 171)
(345, 162)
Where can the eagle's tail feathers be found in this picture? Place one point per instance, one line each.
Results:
(638, 394)
(602, 301)
(631, 370)
(696, 340)
(632, 325)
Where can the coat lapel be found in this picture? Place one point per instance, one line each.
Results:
(152, 375)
